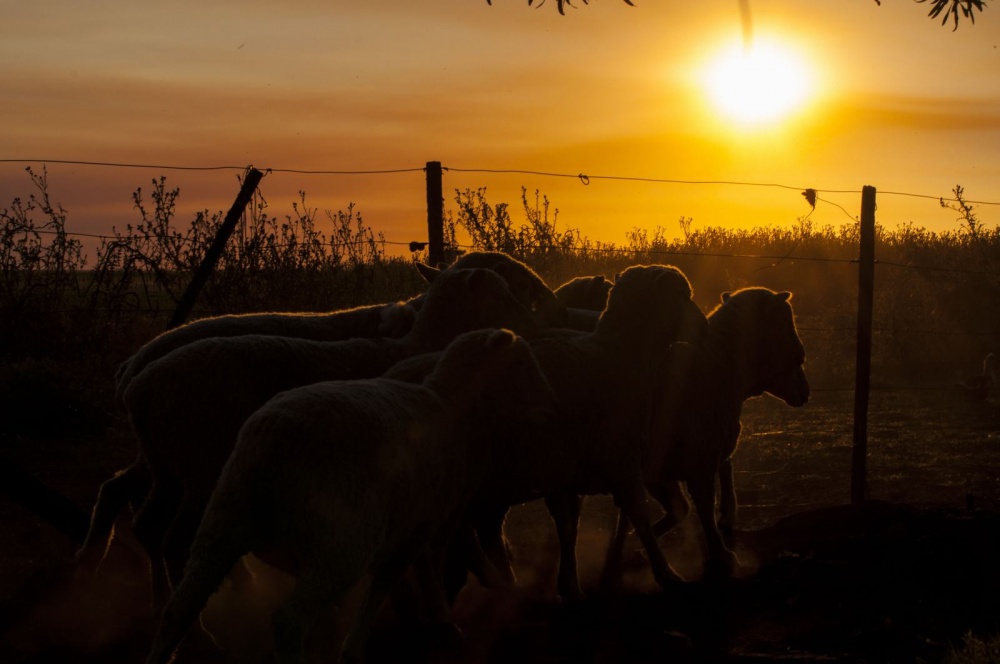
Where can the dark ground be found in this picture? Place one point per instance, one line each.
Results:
(901, 579)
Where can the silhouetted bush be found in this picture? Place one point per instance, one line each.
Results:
(935, 316)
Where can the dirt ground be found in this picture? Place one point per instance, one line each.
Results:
(900, 579)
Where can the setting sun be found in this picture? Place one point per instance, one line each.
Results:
(762, 83)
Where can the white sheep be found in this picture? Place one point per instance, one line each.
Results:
(597, 442)
(187, 407)
(752, 347)
(339, 479)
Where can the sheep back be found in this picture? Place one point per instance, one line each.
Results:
(459, 300)
(386, 320)
(527, 286)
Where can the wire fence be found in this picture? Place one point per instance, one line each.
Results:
(585, 179)
(979, 333)
(582, 177)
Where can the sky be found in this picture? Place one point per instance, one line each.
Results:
(895, 101)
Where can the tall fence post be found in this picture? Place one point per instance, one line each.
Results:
(862, 382)
(435, 214)
(204, 271)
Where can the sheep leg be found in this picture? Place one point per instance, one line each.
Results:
(670, 497)
(181, 611)
(720, 558)
(565, 511)
(384, 579)
(149, 526)
(458, 562)
(180, 534)
(632, 503)
(427, 570)
(464, 554)
(727, 502)
(493, 544)
(293, 621)
(128, 485)
(611, 572)
(489, 574)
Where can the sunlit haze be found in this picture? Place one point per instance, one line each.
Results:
(830, 95)
(757, 83)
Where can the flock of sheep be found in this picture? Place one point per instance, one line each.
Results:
(391, 440)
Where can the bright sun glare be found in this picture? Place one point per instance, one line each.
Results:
(760, 84)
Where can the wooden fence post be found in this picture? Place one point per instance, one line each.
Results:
(204, 271)
(435, 214)
(862, 381)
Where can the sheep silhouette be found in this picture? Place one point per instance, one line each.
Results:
(585, 298)
(389, 320)
(752, 347)
(598, 438)
(529, 288)
(590, 293)
(333, 480)
(392, 320)
(186, 408)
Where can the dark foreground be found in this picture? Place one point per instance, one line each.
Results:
(897, 581)
(879, 583)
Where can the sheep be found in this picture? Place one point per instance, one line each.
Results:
(337, 479)
(524, 282)
(590, 293)
(752, 347)
(187, 407)
(585, 299)
(379, 320)
(597, 441)
(391, 320)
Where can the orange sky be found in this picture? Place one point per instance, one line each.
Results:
(900, 103)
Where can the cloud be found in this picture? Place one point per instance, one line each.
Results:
(970, 114)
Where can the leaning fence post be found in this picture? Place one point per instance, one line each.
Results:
(862, 382)
(204, 271)
(435, 214)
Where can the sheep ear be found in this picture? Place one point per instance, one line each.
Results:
(427, 272)
(784, 296)
(500, 339)
(726, 296)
